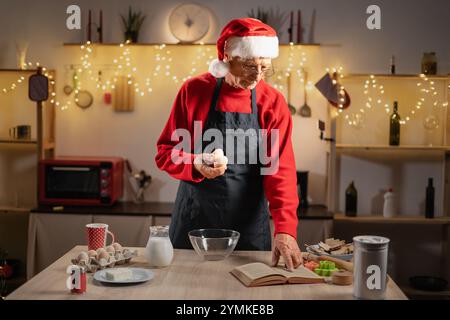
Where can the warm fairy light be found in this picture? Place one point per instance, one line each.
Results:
(426, 86)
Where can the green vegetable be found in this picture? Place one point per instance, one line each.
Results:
(326, 268)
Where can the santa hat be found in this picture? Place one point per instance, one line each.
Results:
(246, 38)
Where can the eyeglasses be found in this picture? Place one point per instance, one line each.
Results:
(250, 68)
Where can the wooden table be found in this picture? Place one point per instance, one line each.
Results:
(187, 278)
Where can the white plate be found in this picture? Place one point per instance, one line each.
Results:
(346, 257)
(139, 275)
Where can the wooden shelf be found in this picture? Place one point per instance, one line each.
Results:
(397, 219)
(188, 44)
(49, 145)
(18, 141)
(4, 209)
(385, 153)
(391, 148)
(396, 76)
(18, 70)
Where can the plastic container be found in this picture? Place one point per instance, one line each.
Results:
(389, 208)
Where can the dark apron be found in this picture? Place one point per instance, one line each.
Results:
(234, 200)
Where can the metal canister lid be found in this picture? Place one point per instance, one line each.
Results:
(371, 242)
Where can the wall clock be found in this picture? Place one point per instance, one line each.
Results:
(189, 22)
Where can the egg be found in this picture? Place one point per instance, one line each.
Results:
(103, 255)
(219, 158)
(83, 256)
(100, 250)
(92, 253)
(117, 246)
(218, 153)
(110, 249)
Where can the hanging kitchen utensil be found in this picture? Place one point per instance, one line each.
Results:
(290, 106)
(305, 110)
(123, 98)
(331, 90)
(83, 99)
(68, 88)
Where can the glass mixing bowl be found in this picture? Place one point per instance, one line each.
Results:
(214, 244)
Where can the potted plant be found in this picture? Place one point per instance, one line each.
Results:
(132, 24)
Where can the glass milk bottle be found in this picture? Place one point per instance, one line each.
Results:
(159, 249)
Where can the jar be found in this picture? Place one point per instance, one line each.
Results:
(429, 63)
(159, 249)
(370, 267)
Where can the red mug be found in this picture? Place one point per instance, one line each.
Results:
(96, 235)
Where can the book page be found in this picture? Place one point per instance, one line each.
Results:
(257, 270)
(300, 272)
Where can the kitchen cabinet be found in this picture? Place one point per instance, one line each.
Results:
(187, 278)
(18, 186)
(13, 239)
(52, 233)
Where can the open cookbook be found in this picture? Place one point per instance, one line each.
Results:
(260, 274)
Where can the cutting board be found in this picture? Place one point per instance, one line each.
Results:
(123, 97)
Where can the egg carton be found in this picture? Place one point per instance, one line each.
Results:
(99, 259)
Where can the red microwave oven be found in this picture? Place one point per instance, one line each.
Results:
(68, 180)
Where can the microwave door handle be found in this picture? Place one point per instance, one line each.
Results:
(70, 169)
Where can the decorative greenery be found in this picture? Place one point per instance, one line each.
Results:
(132, 24)
(272, 17)
(260, 14)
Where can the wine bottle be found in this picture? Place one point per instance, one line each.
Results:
(351, 200)
(429, 199)
(394, 128)
(393, 65)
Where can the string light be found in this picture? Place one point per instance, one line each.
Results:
(296, 64)
(13, 85)
(425, 85)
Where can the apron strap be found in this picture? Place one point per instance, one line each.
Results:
(254, 106)
(215, 98)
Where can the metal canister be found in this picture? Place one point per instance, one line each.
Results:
(370, 267)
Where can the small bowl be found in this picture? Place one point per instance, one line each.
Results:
(313, 249)
(214, 244)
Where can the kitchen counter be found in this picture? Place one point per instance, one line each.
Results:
(120, 208)
(315, 211)
(187, 278)
(159, 208)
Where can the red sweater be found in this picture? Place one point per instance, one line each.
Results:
(193, 103)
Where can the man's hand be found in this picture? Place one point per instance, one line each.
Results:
(286, 246)
(207, 166)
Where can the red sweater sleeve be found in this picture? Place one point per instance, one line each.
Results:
(182, 167)
(281, 186)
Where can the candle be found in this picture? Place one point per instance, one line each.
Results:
(291, 27)
(89, 27)
(100, 29)
(299, 27)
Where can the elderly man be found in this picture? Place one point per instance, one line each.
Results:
(233, 99)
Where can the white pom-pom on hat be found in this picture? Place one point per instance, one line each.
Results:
(219, 68)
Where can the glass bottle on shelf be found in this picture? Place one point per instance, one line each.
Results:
(351, 200)
(429, 199)
(429, 63)
(394, 127)
(392, 65)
